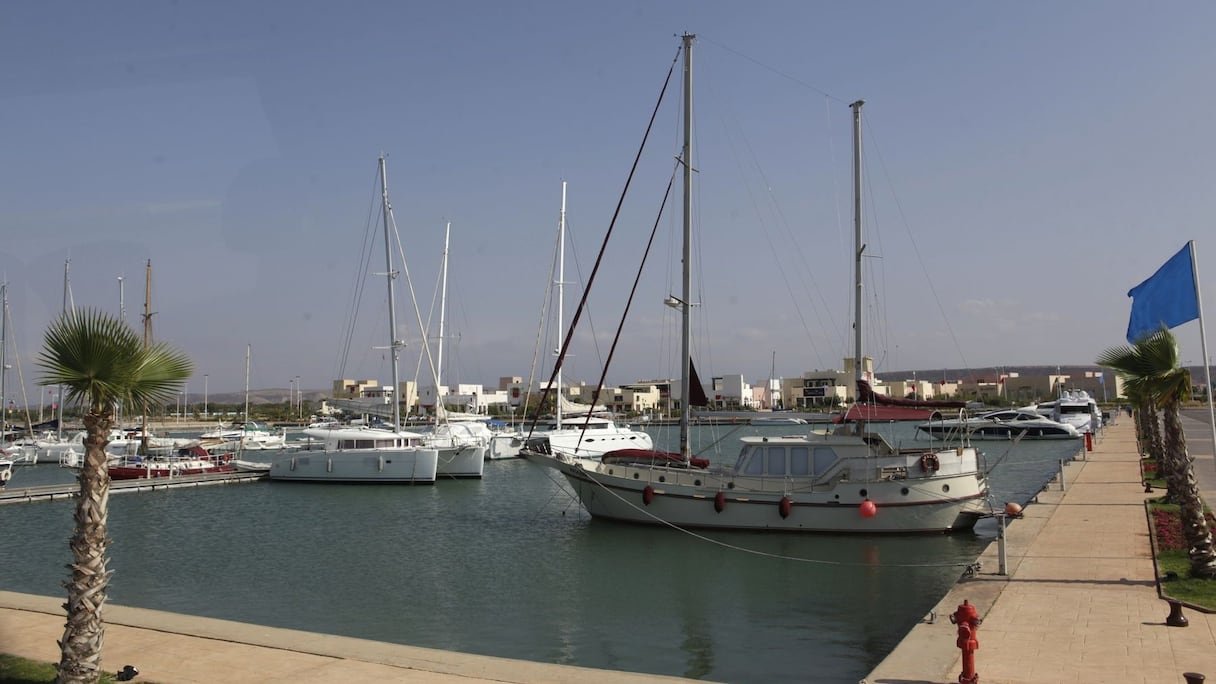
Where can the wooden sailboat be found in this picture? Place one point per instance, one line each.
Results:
(848, 480)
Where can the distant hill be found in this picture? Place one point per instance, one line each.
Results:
(259, 396)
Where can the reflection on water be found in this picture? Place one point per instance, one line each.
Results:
(511, 566)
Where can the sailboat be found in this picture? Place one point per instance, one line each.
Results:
(575, 430)
(842, 480)
(361, 453)
(462, 444)
(142, 455)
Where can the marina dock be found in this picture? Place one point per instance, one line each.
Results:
(12, 495)
(1078, 601)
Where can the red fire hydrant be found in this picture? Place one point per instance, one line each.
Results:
(968, 622)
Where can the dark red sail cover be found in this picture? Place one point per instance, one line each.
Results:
(873, 406)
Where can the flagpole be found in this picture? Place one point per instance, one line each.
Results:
(1203, 345)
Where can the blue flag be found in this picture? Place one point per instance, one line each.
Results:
(1167, 298)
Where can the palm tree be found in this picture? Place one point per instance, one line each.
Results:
(1150, 368)
(101, 362)
(1148, 433)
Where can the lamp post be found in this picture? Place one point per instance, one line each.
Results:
(299, 399)
(204, 395)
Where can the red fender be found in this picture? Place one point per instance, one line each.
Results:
(720, 502)
(648, 495)
(784, 506)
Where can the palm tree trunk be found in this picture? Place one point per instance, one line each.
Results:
(80, 649)
(1166, 459)
(1194, 523)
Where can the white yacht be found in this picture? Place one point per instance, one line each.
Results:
(1024, 423)
(359, 454)
(1075, 407)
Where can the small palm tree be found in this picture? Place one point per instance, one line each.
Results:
(1150, 368)
(101, 362)
(1148, 432)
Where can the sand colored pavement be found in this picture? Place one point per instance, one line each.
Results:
(179, 649)
(1078, 601)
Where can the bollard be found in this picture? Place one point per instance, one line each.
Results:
(1061, 474)
(968, 622)
(1193, 677)
(1089, 441)
(1176, 618)
(1000, 543)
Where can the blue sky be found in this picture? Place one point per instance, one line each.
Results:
(1027, 164)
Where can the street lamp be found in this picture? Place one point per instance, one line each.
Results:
(299, 399)
(204, 395)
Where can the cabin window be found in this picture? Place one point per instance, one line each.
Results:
(824, 458)
(800, 461)
(755, 463)
(776, 462)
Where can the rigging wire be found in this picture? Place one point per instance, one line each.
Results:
(916, 249)
(365, 255)
(608, 234)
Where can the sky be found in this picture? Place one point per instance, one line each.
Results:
(1026, 164)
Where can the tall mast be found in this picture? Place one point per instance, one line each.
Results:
(68, 305)
(686, 305)
(3, 360)
(143, 440)
(394, 345)
(248, 353)
(443, 306)
(561, 291)
(858, 246)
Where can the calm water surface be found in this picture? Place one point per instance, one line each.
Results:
(511, 566)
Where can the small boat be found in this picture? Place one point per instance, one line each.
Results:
(6, 470)
(190, 461)
(777, 421)
(1023, 423)
(250, 434)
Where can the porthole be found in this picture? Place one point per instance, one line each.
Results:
(635, 475)
(945, 488)
(904, 491)
(696, 483)
(662, 478)
(730, 485)
(864, 493)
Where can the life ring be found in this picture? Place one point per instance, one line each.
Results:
(929, 463)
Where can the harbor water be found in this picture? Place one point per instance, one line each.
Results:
(511, 566)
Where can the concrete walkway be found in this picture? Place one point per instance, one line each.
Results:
(1079, 599)
(178, 649)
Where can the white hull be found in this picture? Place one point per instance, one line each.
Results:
(505, 445)
(462, 461)
(358, 455)
(413, 465)
(909, 498)
(587, 444)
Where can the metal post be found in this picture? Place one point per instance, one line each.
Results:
(1061, 474)
(1000, 544)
